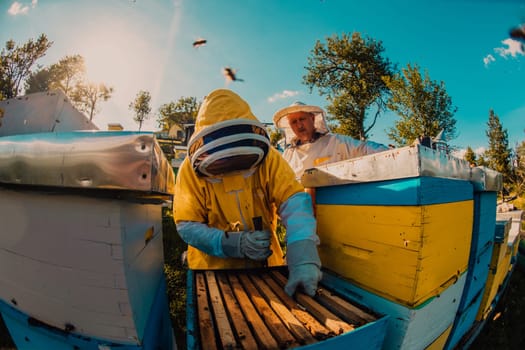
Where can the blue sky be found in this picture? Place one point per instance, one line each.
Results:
(147, 45)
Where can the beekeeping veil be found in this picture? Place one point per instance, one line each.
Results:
(228, 138)
(280, 119)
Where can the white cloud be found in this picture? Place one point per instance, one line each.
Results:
(488, 59)
(460, 153)
(18, 8)
(514, 48)
(282, 95)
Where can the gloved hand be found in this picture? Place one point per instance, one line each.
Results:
(253, 245)
(304, 267)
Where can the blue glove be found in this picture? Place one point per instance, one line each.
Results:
(304, 267)
(253, 245)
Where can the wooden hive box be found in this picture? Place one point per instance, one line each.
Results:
(399, 223)
(506, 242)
(406, 239)
(248, 309)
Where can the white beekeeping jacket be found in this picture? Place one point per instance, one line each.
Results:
(326, 149)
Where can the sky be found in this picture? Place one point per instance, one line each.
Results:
(135, 45)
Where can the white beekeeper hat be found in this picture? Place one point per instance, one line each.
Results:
(281, 121)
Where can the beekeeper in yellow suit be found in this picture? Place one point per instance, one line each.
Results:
(227, 192)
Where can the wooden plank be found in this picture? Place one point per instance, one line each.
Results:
(342, 308)
(318, 330)
(240, 325)
(261, 332)
(302, 335)
(221, 318)
(207, 328)
(278, 329)
(329, 319)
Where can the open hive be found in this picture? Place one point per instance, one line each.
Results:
(249, 309)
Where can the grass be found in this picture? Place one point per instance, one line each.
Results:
(506, 330)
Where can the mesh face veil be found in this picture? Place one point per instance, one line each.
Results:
(280, 119)
(229, 146)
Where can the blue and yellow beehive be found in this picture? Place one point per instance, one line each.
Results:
(505, 250)
(405, 243)
(478, 269)
(404, 236)
(403, 230)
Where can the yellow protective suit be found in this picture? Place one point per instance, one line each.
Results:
(229, 202)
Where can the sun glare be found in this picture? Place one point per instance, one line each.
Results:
(115, 55)
(119, 55)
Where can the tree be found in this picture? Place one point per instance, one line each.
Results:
(141, 107)
(470, 156)
(482, 161)
(350, 71)
(423, 105)
(275, 137)
(519, 170)
(182, 112)
(16, 63)
(498, 153)
(38, 81)
(68, 74)
(88, 97)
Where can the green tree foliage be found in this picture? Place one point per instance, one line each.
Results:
(498, 154)
(350, 71)
(519, 170)
(16, 63)
(178, 113)
(275, 136)
(470, 156)
(141, 107)
(69, 76)
(38, 81)
(423, 105)
(482, 161)
(66, 75)
(87, 97)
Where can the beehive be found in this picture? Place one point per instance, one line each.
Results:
(249, 309)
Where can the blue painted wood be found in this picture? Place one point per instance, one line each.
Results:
(31, 337)
(465, 321)
(478, 326)
(369, 336)
(409, 191)
(502, 288)
(192, 335)
(478, 265)
(408, 328)
(159, 332)
(501, 233)
(484, 221)
(479, 268)
(143, 262)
